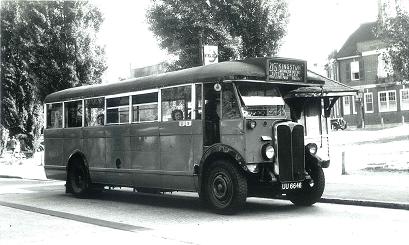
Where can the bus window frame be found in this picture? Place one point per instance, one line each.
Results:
(148, 91)
(240, 102)
(123, 106)
(128, 94)
(90, 98)
(82, 113)
(63, 113)
(150, 103)
(237, 97)
(192, 100)
(130, 105)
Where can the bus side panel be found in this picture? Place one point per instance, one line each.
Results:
(54, 164)
(145, 154)
(232, 134)
(94, 150)
(73, 141)
(176, 152)
(118, 155)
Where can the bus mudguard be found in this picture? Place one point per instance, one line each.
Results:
(225, 150)
(74, 154)
(314, 159)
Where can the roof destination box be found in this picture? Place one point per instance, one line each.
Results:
(286, 70)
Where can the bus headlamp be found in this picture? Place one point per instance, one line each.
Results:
(268, 151)
(251, 124)
(312, 148)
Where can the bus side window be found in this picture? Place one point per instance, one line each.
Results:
(94, 112)
(176, 103)
(145, 107)
(73, 114)
(118, 110)
(54, 115)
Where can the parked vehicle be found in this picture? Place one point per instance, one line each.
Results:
(338, 123)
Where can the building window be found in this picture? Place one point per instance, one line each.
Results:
(387, 101)
(368, 102)
(355, 70)
(347, 105)
(404, 99)
(117, 110)
(145, 107)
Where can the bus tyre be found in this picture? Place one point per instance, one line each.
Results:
(311, 192)
(225, 188)
(78, 180)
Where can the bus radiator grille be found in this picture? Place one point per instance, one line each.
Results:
(290, 151)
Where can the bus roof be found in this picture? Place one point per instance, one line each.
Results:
(254, 68)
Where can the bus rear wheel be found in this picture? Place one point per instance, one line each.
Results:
(78, 179)
(310, 192)
(225, 187)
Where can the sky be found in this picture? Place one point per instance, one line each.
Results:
(315, 28)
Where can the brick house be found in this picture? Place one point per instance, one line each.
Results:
(360, 64)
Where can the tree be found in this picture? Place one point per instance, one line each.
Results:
(240, 28)
(394, 31)
(45, 47)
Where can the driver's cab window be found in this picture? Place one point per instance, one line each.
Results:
(221, 103)
(176, 103)
(230, 107)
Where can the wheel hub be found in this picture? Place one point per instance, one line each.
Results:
(221, 186)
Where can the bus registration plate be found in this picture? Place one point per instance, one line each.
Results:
(291, 186)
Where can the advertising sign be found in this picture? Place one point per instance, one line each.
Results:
(286, 70)
(210, 55)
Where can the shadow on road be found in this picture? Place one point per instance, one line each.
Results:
(191, 202)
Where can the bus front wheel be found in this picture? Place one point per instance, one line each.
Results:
(310, 192)
(225, 187)
(78, 179)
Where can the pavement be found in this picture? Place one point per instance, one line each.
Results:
(386, 189)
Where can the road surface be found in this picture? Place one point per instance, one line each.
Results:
(39, 212)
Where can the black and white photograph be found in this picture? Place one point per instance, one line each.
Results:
(204, 122)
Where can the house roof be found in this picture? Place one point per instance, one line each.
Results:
(365, 32)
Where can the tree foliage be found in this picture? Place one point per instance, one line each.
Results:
(240, 28)
(45, 46)
(394, 31)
